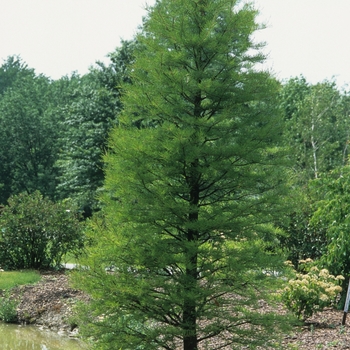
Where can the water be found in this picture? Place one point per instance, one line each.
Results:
(14, 337)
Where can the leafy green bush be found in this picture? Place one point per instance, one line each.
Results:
(311, 291)
(36, 232)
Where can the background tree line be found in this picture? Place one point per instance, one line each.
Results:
(52, 138)
(53, 132)
(53, 135)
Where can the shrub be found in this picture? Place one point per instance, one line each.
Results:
(36, 232)
(311, 290)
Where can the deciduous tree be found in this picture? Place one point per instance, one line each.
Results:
(317, 132)
(28, 138)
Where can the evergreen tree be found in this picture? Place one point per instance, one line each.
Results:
(89, 114)
(185, 232)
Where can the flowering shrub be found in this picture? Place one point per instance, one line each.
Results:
(310, 291)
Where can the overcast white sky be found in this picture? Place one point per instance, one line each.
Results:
(309, 37)
(56, 37)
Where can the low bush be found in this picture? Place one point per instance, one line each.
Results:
(311, 290)
(36, 232)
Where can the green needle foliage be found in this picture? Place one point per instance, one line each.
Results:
(185, 235)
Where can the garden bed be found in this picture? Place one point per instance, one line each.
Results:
(322, 331)
(49, 304)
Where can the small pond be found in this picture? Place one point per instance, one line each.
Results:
(15, 337)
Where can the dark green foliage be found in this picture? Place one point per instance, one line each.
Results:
(292, 96)
(186, 230)
(53, 133)
(36, 233)
(85, 128)
(28, 137)
(89, 114)
(11, 71)
(302, 240)
(331, 215)
(317, 134)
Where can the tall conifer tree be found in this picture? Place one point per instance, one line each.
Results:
(190, 193)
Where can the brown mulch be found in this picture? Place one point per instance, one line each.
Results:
(49, 304)
(322, 331)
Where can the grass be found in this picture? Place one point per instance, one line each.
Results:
(10, 279)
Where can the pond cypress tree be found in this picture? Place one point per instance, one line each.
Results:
(190, 193)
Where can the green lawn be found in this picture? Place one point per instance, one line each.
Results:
(10, 279)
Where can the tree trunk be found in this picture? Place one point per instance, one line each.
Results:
(190, 341)
(189, 313)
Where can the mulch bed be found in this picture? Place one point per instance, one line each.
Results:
(49, 304)
(323, 331)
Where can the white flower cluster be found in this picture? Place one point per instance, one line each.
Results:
(312, 291)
